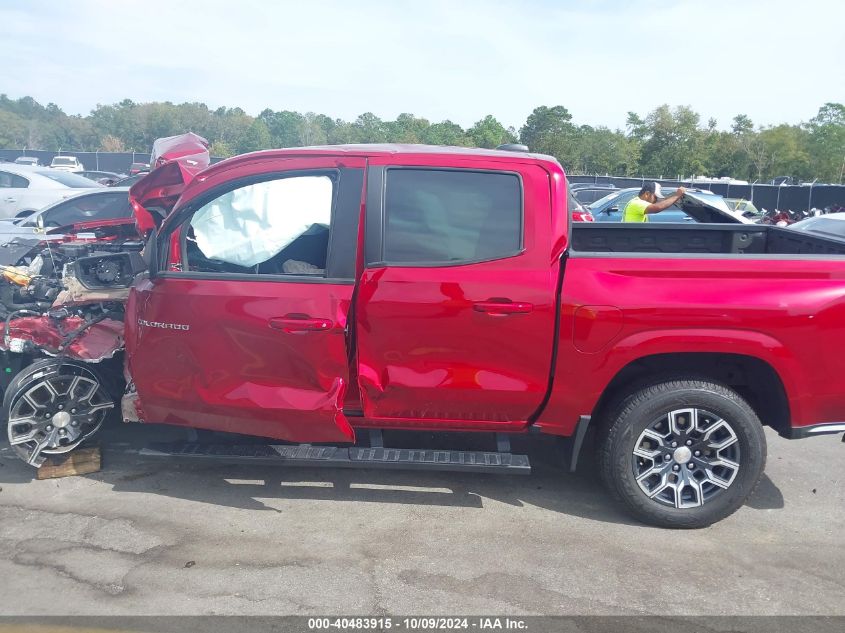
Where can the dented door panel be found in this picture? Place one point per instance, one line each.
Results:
(219, 342)
(206, 354)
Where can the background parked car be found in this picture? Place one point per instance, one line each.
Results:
(129, 180)
(745, 207)
(138, 168)
(24, 190)
(610, 208)
(587, 192)
(577, 211)
(102, 205)
(830, 225)
(67, 163)
(32, 161)
(107, 178)
(696, 206)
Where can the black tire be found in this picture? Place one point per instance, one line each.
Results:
(91, 396)
(624, 427)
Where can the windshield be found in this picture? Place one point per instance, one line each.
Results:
(69, 180)
(60, 160)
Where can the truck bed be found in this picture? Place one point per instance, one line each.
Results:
(725, 239)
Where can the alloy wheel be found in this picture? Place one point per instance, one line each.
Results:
(686, 458)
(55, 412)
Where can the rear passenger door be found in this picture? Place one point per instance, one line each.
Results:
(455, 309)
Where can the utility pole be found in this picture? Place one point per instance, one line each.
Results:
(810, 201)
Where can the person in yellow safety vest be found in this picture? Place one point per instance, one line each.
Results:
(646, 203)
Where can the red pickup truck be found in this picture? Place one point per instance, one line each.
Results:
(321, 296)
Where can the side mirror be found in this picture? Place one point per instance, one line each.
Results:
(613, 210)
(39, 222)
(150, 254)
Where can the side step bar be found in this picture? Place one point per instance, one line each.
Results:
(345, 457)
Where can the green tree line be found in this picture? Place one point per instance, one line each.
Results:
(667, 142)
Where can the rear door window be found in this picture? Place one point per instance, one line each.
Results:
(443, 217)
(12, 181)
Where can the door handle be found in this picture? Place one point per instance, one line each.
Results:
(10, 199)
(299, 323)
(503, 307)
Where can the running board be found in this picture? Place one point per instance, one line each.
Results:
(345, 457)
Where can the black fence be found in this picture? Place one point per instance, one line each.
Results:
(117, 162)
(794, 197)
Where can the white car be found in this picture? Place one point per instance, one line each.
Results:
(67, 163)
(32, 161)
(25, 190)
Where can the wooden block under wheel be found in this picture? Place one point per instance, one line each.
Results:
(81, 462)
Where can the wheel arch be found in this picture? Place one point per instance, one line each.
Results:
(754, 378)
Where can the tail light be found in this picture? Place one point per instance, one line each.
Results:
(582, 216)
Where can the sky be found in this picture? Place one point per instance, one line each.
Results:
(773, 60)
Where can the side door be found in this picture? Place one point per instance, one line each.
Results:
(245, 328)
(455, 312)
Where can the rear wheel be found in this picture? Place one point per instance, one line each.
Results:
(683, 453)
(52, 407)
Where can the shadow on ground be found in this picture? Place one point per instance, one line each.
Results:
(254, 487)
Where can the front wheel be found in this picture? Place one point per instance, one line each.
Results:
(53, 406)
(682, 454)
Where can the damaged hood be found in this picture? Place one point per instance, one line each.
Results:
(710, 208)
(175, 162)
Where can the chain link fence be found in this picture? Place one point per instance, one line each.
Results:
(117, 162)
(794, 197)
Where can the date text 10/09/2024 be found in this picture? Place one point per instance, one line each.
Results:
(417, 623)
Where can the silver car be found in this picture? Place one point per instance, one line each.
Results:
(831, 225)
(25, 190)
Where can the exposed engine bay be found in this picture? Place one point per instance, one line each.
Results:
(62, 306)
